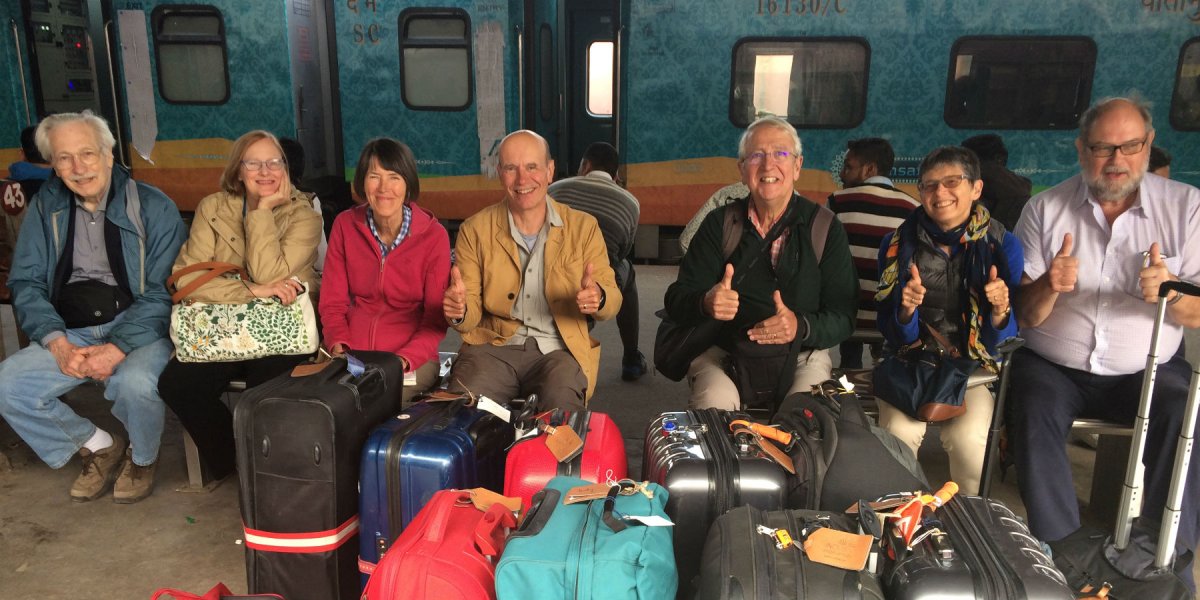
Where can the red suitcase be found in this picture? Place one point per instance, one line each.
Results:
(530, 464)
(448, 552)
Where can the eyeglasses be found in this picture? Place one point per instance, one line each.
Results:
(275, 164)
(951, 182)
(757, 158)
(87, 157)
(1107, 150)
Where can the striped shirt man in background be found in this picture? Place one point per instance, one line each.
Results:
(869, 207)
(596, 192)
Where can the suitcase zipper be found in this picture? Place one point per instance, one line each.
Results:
(718, 448)
(395, 508)
(577, 560)
(979, 552)
(573, 467)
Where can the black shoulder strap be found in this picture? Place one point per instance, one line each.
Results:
(731, 233)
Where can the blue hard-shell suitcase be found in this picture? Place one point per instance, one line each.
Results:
(430, 446)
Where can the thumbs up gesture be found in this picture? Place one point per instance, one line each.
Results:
(912, 295)
(997, 294)
(1154, 274)
(454, 301)
(589, 295)
(1064, 268)
(779, 329)
(721, 302)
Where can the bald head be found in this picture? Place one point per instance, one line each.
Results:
(526, 170)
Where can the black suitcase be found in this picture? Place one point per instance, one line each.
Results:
(693, 455)
(986, 552)
(840, 456)
(742, 563)
(299, 443)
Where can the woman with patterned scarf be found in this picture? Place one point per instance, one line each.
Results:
(950, 266)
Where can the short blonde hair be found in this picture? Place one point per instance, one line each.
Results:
(230, 182)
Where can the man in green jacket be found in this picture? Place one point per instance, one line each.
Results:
(786, 298)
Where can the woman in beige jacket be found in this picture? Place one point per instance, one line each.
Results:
(260, 223)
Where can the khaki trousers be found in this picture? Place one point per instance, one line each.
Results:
(964, 438)
(712, 388)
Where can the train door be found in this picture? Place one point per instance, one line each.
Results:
(71, 57)
(313, 57)
(590, 78)
(542, 91)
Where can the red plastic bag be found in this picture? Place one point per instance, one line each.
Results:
(219, 592)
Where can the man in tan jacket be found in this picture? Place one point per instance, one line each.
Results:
(529, 272)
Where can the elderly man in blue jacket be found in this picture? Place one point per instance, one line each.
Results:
(88, 282)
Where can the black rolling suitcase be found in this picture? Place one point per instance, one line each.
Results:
(1137, 561)
(743, 560)
(694, 455)
(299, 443)
(983, 551)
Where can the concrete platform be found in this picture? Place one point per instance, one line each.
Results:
(51, 548)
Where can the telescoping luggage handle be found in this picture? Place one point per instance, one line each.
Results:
(1131, 495)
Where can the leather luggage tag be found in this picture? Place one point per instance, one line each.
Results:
(587, 493)
(484, 498)
(444, 396)
(838, 548)
(562, 441)
(322, 360)
(881, 505)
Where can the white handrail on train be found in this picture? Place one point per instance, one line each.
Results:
(20, 68)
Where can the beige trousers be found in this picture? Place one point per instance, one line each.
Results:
(964, 438)
(712, 388)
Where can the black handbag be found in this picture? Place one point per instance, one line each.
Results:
(88, 302)
(676, 345)
(926, 384)
(761, 372)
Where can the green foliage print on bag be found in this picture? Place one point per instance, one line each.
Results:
(205, 332)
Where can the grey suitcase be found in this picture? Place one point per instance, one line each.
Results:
(693, 455)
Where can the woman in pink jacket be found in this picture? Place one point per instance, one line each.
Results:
(387, 266)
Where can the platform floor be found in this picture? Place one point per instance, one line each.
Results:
(51, 548)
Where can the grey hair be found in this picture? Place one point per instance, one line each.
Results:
(769, 121)
(99, 126)
(1099, 109)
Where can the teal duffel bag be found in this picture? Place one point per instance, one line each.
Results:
(589, 550)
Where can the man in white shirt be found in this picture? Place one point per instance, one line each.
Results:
(1097, 247)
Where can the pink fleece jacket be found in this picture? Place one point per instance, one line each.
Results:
(392, 304)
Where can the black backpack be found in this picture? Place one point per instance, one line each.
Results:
(840, 456)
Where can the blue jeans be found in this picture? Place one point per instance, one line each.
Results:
(31, 383)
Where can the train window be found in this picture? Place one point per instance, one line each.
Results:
(435, 59)
(190, 54)
(812, 82)
(600, 79)
(1019, 82)
(1185, 102)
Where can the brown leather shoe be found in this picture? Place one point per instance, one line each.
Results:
(136, 482)
(99, 470)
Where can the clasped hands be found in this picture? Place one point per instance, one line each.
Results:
(96, 362)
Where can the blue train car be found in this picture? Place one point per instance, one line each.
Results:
(671, 84)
